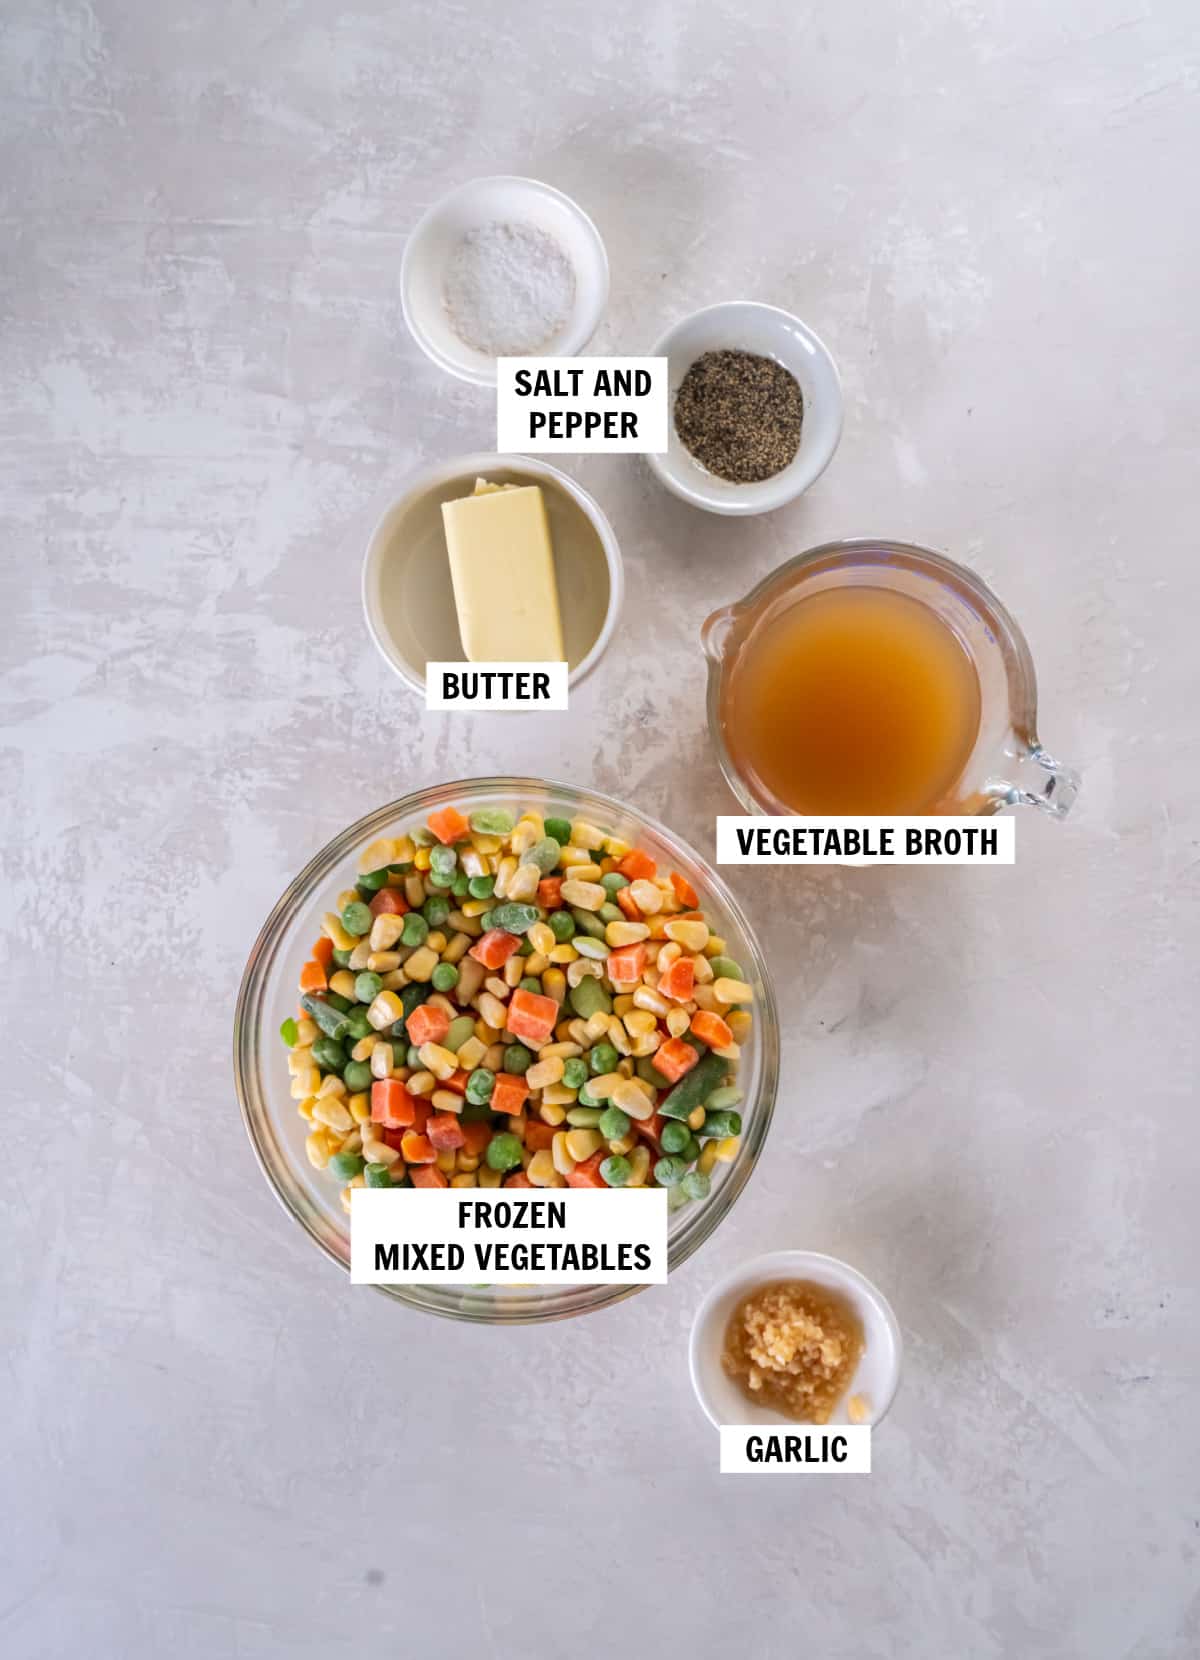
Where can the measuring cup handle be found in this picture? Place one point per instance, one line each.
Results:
(714, 631)
(1038, 780)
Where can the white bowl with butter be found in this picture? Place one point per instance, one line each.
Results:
(407, 591)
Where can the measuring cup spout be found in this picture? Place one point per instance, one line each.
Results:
(1038, 780)
(714, 631)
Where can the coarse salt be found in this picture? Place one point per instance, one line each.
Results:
(509, 288)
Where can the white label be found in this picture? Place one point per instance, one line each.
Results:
(764, 1449)
(866, 841)
(581, 405)
(495, 685)
(508, 1236)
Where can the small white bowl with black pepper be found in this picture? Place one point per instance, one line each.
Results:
(502, 267)
(755, 408)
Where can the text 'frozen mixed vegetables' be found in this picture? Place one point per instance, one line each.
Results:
(526, 1002)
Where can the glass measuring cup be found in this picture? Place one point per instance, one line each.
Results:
(1007, 765)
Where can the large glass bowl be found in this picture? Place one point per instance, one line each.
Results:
(268, 996)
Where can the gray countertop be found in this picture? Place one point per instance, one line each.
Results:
(213, 1446)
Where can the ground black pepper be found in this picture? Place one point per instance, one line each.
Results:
(739, 415)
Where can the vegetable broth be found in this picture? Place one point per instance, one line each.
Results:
(854, 700)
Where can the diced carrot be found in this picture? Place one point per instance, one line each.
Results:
(509, 1093)
(549, 892)
(494, 948)
(588, 1174)
(677, 981)
(428, 1175)
(417, 1148)
(448, 825)
(444, 1131)
(628, 904)
(638, 866)
(711, 1029)
(532, 1016)
(457, 1081)
(651, 1127)
(674, 1058)
(684, 891)
(625, 964)
(539, 1136)
(312, 977)
(323, 951)
(391, 1104)
(517, 1179)
(428, 1023)
(388, 902)
(475, 1137)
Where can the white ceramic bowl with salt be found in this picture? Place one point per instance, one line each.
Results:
(501, 200)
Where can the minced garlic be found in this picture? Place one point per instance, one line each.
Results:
(794, 1346)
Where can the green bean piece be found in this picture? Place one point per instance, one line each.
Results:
(543, 854)
(345, 1166)
(445, 977)
(721, 1124)
(480, 1085)
(693, 1088)
(611, 913)
(587, 923)
(422, 836)
(603, 1058)
(416, 929)
(461, 1028)
(377, 1175)
(724, 968)
(649, 1073)
(589, 997)
(696, 1184)
(368, 986)
(342, 958)
(517, 1058)
(616, 1170)
(669, 1171)
(474, 1112)
(503, 1152)
(372, 881)
(559, 829)
(612, 1123)
(481, 887)
(329, 1054)
(531, 983)
(360, 1026)
(289, 1032)
(721, 1099)
(574, 1072)
(562, 926)
(357, 918)
(674, 1136)
(336, 1001)
(491, 821)
(525, 949)
(584, 1118)
(614, 882)
(330, 1019)
(435, 910)
(357, 1076)
(412, 1057)
(515, 918)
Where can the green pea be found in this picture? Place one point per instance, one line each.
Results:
(616, 1170)
(435, 910)
(416, 929)
(721, 1099)
(587, 923)
(669, 1172)
(329, 1054)
(674, 1136)
(531, 983)
(358, 1025)
(515, 918)
(474, 1112)
(481, 887)
(357, 918)
(574, 1072)
(603, 1058)
(480, 1086)
(559, 829)
(337, 1001)
(589, 997)
(562, 926)
(517, 1058)
(443, 862)
(377, 1175)
(357, 1076)
(525, 949)
(543, 854)
(422, 836)
(368, 986)
(345, 1166)
(503, 1152)
(611, 913)
(373, 880)
(461, 1028)
(342, 958)
(649, 1073)
(613, 1124)
(614, 881)
(584, 1118)
(676, 1198)
(487, 921)
(696, 1184)
(721, 1124)
(587, 1099)
(691, 1151)
(491, 821)
(289, 1032)
(724, 968)
(461, 885)
(444, 977)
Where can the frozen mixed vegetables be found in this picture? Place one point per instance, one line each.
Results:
(520, 1001)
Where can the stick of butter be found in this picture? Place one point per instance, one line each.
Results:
(502, 568)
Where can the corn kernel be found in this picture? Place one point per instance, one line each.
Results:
(645, 998)
(305, 1107)
(446, 1161)
(705, 998)
(587, 896)
(488, 1177)
(589, 872)
(740, 1023)
(514, 973)
(421, 1083)
(544, 1073)
(541, 1170)
(563, 1162)
(421, 858)
(306, 1082)
(435, 940)
(727, 1148)
(623, 1143)
(492, 1011)
(703, 971)
(581, 1144)
(629, 1095)
(558, 1095)
(586, 835)
(360, 957)
(464, 1178)
(377, 854)
(359, 1106)
(364, 1048)
(485, 844)
(625, 933)
(708, 1157)
(383, 1059)
(471, 1054)
(457, 949)
(571, 856)
(421, 964)
(505, 872)
(678, 1021)
(330, 1111)
(603, 1086)
(564, 953)
(639, 1166)
(646, 1044)
(695, 1118)
(385, 1010)
(523, 883)
(331, 924)
(553, 1112)
(385, 931)
(467, 1161)
(317, 1149)
(732, 991)
(437, 1060)
(414, 890)
(378, 1152)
